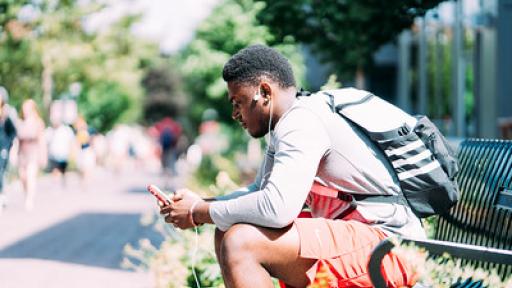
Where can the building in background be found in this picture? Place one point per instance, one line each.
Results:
(454, 65)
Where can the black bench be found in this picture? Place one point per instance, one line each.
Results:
(479, 228)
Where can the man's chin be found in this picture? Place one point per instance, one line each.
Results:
(256, 134)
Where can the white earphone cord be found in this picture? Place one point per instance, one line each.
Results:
(194, 254)
(268, 145)
(196, 246)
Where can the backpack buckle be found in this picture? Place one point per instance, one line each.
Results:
(404, 130)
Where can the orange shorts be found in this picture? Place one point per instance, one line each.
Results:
(343, 250)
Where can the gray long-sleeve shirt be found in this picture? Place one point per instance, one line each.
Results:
(311, 143)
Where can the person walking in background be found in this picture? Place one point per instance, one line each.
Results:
(7, 135)
(61, 141)
(118, 140)
(169, 132)
(86, 160)
(32, 149)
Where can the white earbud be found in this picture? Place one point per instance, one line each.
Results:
(256, 97)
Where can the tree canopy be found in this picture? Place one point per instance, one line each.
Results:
(231, 27)
(344, 33)
(45, 47)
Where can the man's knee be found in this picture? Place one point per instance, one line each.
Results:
(240, 242)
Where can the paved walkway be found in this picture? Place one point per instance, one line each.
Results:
(74, 238)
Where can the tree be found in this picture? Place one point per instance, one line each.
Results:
(20, 68)
(345, 33)
(45, 47)
(231, 27)
(164, 92)
(116, 60)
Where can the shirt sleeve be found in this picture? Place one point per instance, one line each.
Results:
(237, 193)
(299, 143)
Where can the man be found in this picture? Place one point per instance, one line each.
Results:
(312, 152)
(7, 135)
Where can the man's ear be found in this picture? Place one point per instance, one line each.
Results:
(266, 91)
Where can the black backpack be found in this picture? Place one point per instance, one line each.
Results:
(423, 161)
(167, 138)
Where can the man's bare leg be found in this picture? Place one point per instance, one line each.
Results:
(249, 255)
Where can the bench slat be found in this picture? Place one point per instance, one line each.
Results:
(486, 171)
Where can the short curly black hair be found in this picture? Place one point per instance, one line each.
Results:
(252, 62)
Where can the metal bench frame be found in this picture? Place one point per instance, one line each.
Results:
(479, 227)
(435, 247)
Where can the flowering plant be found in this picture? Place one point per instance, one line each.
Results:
(445, 270)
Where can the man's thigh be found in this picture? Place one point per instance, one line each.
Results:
(277, 250)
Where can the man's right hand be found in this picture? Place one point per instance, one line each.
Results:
(179, 212)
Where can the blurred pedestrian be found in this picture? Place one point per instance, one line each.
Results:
(7, 135)
(32, 154)
(61, 141)
(118, 140)
(86, 160)
(211, 139)
(100, 146)
(169, 131)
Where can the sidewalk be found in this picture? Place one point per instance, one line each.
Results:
(74, 238)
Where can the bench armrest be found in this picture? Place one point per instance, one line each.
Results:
(470, 252)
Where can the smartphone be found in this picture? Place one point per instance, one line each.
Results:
(161, 196)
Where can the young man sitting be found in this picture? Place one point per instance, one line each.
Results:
(312, 153)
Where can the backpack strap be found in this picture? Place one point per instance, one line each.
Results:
(322, 190)
(303, 92)
(391, 134)
(380, 198)
(340, 107)
(352, 199)
(376, 136)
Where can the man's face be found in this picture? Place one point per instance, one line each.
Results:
(252, 115)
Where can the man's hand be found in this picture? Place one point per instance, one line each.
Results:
(178, 213)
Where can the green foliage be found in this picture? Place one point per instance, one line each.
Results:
(344, 33)
(43, 53)
(444, 271)
(206, 172)
(231, 27)
(102, 104)
(181, 253)
(332, 83)
(430, 225)
(440, 71)
(210, 167)
(20, 71)
(164, 91)
(208, 273)
(19, 63)
(238, 139)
